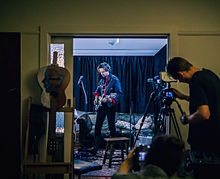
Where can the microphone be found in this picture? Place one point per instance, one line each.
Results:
(80, 78)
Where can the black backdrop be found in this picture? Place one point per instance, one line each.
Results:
(133, 72)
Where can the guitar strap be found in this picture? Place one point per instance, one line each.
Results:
(106, 79)
(106, 86)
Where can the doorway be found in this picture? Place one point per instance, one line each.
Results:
(134, 60)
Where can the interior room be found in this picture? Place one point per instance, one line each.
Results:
(191, 30)
(133, 59)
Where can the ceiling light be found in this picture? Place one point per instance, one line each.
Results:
(114, 41)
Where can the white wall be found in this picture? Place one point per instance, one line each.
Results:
(194, 28)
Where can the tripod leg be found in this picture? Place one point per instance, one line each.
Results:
(145, 114)
(176, 126)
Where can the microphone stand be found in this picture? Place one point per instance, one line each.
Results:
(85, 95)
(84, 92)
(131, 107)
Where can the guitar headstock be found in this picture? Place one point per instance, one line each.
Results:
(55, 58)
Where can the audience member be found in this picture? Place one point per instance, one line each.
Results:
(164, 158)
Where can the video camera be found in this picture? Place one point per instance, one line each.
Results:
(166, 96)
(161, 88)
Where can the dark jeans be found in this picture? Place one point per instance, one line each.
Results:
(102, 112)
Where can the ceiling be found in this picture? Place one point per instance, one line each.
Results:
(117, 46)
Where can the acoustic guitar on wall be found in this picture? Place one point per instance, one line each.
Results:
(53, 81)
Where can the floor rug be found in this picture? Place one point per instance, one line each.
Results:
(105, 171)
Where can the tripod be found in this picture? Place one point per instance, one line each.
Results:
(167, 114)
(162, 121)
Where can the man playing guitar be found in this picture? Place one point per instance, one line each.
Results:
(106, 97)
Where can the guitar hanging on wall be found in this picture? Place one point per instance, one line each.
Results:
(53, 81)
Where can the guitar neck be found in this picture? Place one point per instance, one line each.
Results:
(55, 58)
(51, 148)
(52, 118)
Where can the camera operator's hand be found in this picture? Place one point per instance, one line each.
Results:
(184, 119)
(178, 94)
(127, 164)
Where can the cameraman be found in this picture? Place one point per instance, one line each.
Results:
(204, 104)
(163, 159)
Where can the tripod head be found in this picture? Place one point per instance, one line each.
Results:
(163, 93)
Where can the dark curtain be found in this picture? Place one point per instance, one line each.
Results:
(133, 72)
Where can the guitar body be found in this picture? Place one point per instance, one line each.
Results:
(53, 80)
(99, 103)
(45, 96)
(100, 100)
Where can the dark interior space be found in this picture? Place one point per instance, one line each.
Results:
(10, 130)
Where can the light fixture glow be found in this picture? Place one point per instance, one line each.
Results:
(114, 41)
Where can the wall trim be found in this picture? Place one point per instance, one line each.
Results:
(91, 30)
(199, 33)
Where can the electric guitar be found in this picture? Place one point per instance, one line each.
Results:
(102, 97)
